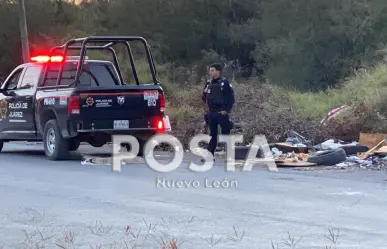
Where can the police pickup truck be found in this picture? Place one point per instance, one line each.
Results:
(64, 100)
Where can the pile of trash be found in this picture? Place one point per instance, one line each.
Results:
(297, 151)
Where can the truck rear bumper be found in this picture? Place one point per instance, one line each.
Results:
(142, 126)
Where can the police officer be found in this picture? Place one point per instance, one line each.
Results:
(220, 100)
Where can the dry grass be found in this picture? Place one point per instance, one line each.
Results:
(272, 111)
(268, 110)
(160, 235)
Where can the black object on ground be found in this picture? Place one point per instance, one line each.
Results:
(328, 157)
(241, 152)
(354, 149)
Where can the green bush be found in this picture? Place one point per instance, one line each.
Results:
(365, 87)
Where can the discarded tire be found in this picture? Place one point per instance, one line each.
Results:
(354, 149)
(328, 157)
(241, 152)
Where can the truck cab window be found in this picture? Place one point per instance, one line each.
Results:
(103, 73)
(31, 77)
(13, 81)
(93, 74)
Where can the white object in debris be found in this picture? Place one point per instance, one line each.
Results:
(276, 151)
(299, 145)
(330, 144)
(87, 161)
(345, 164)
(353, 160)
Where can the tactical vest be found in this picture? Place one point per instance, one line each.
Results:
(215, 98)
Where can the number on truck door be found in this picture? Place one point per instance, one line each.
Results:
(151, 102)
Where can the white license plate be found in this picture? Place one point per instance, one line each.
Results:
(151, 95)
(121, 124)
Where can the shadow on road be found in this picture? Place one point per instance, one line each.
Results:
(37, 151)
(73, 156)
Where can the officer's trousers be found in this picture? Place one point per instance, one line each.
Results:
(215, 119)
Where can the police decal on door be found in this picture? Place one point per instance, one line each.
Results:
(151, 102)
(16, 114)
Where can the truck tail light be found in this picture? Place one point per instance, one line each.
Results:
(162, 102)
(160, 125)
(73, 105)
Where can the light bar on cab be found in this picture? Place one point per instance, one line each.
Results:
(53, 58)
(46, 58)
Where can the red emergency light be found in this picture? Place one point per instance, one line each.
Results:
(47, 58)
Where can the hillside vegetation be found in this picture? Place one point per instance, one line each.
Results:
(292, 61)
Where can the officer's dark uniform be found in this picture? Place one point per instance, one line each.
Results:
(219, 97)
(204, 98)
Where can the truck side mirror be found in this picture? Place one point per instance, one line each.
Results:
(7, 93)
(27, 86)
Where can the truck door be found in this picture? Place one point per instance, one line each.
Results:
(8, 88)
(22, 106)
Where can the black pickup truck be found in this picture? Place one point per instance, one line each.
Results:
(65, 100)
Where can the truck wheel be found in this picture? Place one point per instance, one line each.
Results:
(74, 144)
(55, 146)
(141, 149)
(97, 144)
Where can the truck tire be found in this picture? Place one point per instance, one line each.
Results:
(354, 149)
(74, 144)
(55, 146)
(141, 149)
(97, 144)
(241, 152)
(328, 157)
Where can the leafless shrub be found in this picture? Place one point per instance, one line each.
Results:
(162, 238)
(128, 231)
(99, 229)
(236, 237)
(150, 227)
(291, 242)
(96, 247)
(35, 239)
(274, 246)
(212, 241)
(114, 245)
(169, 244)
(66, 240)
(332, 237)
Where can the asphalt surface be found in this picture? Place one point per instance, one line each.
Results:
(66, 204)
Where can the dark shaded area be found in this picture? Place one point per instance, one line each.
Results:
(302, 44)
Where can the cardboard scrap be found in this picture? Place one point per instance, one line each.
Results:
(292, 158)
(371, 139)
(381, 151)
(365, 155)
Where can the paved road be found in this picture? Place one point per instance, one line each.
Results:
(83, 206)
